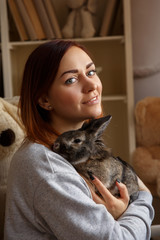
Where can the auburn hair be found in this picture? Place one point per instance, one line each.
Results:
(39, 73)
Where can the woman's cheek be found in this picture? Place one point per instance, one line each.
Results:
(69, 98)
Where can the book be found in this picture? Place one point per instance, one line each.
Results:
(108, 17)
(26, 20)
(44, 18)
(32, 13)
(118, 27)
(52, 17)
(13, 32)
(18, 20)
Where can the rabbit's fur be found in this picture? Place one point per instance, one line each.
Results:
(86, 151)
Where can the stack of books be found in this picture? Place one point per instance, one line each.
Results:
(35, 19)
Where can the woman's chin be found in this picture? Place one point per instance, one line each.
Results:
(95, 114)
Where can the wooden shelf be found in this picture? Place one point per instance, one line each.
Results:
(114, 98)
(113, 59)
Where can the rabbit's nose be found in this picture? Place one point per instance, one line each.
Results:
(56, 146)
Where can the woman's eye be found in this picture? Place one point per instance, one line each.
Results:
(91, 73)
(70, 81)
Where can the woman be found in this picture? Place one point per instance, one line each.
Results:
(47, 198)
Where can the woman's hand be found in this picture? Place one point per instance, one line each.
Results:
(116, 206)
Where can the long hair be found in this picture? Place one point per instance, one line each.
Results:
(39, 73)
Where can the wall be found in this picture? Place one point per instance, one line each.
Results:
(146, 47)
(145, 17)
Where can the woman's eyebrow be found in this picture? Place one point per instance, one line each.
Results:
(69, 71)
(89, 64)
(76, 70)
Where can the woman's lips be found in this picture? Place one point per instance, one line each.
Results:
(93, 100)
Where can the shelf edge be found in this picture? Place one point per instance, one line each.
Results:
(94, 39)
(114, 98)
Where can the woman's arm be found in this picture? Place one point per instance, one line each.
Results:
(118, 206)
(142, 211)
(65, 208)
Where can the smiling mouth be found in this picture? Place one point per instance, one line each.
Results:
(92, 100)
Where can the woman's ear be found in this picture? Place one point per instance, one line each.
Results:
(44, 103)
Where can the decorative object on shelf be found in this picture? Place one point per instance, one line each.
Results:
(26, 19)
(31, 10)
(52, 17)
(80, 19)
(117, 28)
(11, 136)
(146, 157)
(35, 19)
(109, 16)
(44, 19)
(18, 20)
(147, 71)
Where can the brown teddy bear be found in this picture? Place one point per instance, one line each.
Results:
(80, 21)
(146, 158)
(11, 136)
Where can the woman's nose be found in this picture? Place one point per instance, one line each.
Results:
(89, 85)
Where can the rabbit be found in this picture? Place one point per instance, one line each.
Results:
(86, 151)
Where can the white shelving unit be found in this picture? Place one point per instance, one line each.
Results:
(113, 58)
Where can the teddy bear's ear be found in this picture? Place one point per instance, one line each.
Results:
(92, 6)
(140, 112)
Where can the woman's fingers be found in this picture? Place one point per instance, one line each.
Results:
(116, 206)
(123, 191)
(106, 193)
(96, 198)
(102, 189)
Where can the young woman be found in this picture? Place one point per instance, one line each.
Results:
(47, 198)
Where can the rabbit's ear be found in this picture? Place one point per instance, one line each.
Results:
(97, 126)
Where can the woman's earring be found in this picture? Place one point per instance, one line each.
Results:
(49, 107)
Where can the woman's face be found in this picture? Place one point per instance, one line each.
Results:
(75, 94)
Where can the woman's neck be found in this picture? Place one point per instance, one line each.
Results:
(61, 126)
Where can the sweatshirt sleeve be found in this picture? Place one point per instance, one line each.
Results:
(63, 207)
(138, 216)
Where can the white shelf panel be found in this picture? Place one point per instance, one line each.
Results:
(94, 39)
(114, 98)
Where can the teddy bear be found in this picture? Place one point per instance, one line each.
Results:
(80, 21)
(11, 137)
(146, 157)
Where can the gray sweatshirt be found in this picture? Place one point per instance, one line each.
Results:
(47, 199)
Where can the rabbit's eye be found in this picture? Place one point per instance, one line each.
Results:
(77, 140)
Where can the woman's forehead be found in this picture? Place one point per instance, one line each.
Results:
(73, 57)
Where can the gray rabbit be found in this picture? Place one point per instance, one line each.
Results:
(85, 150)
